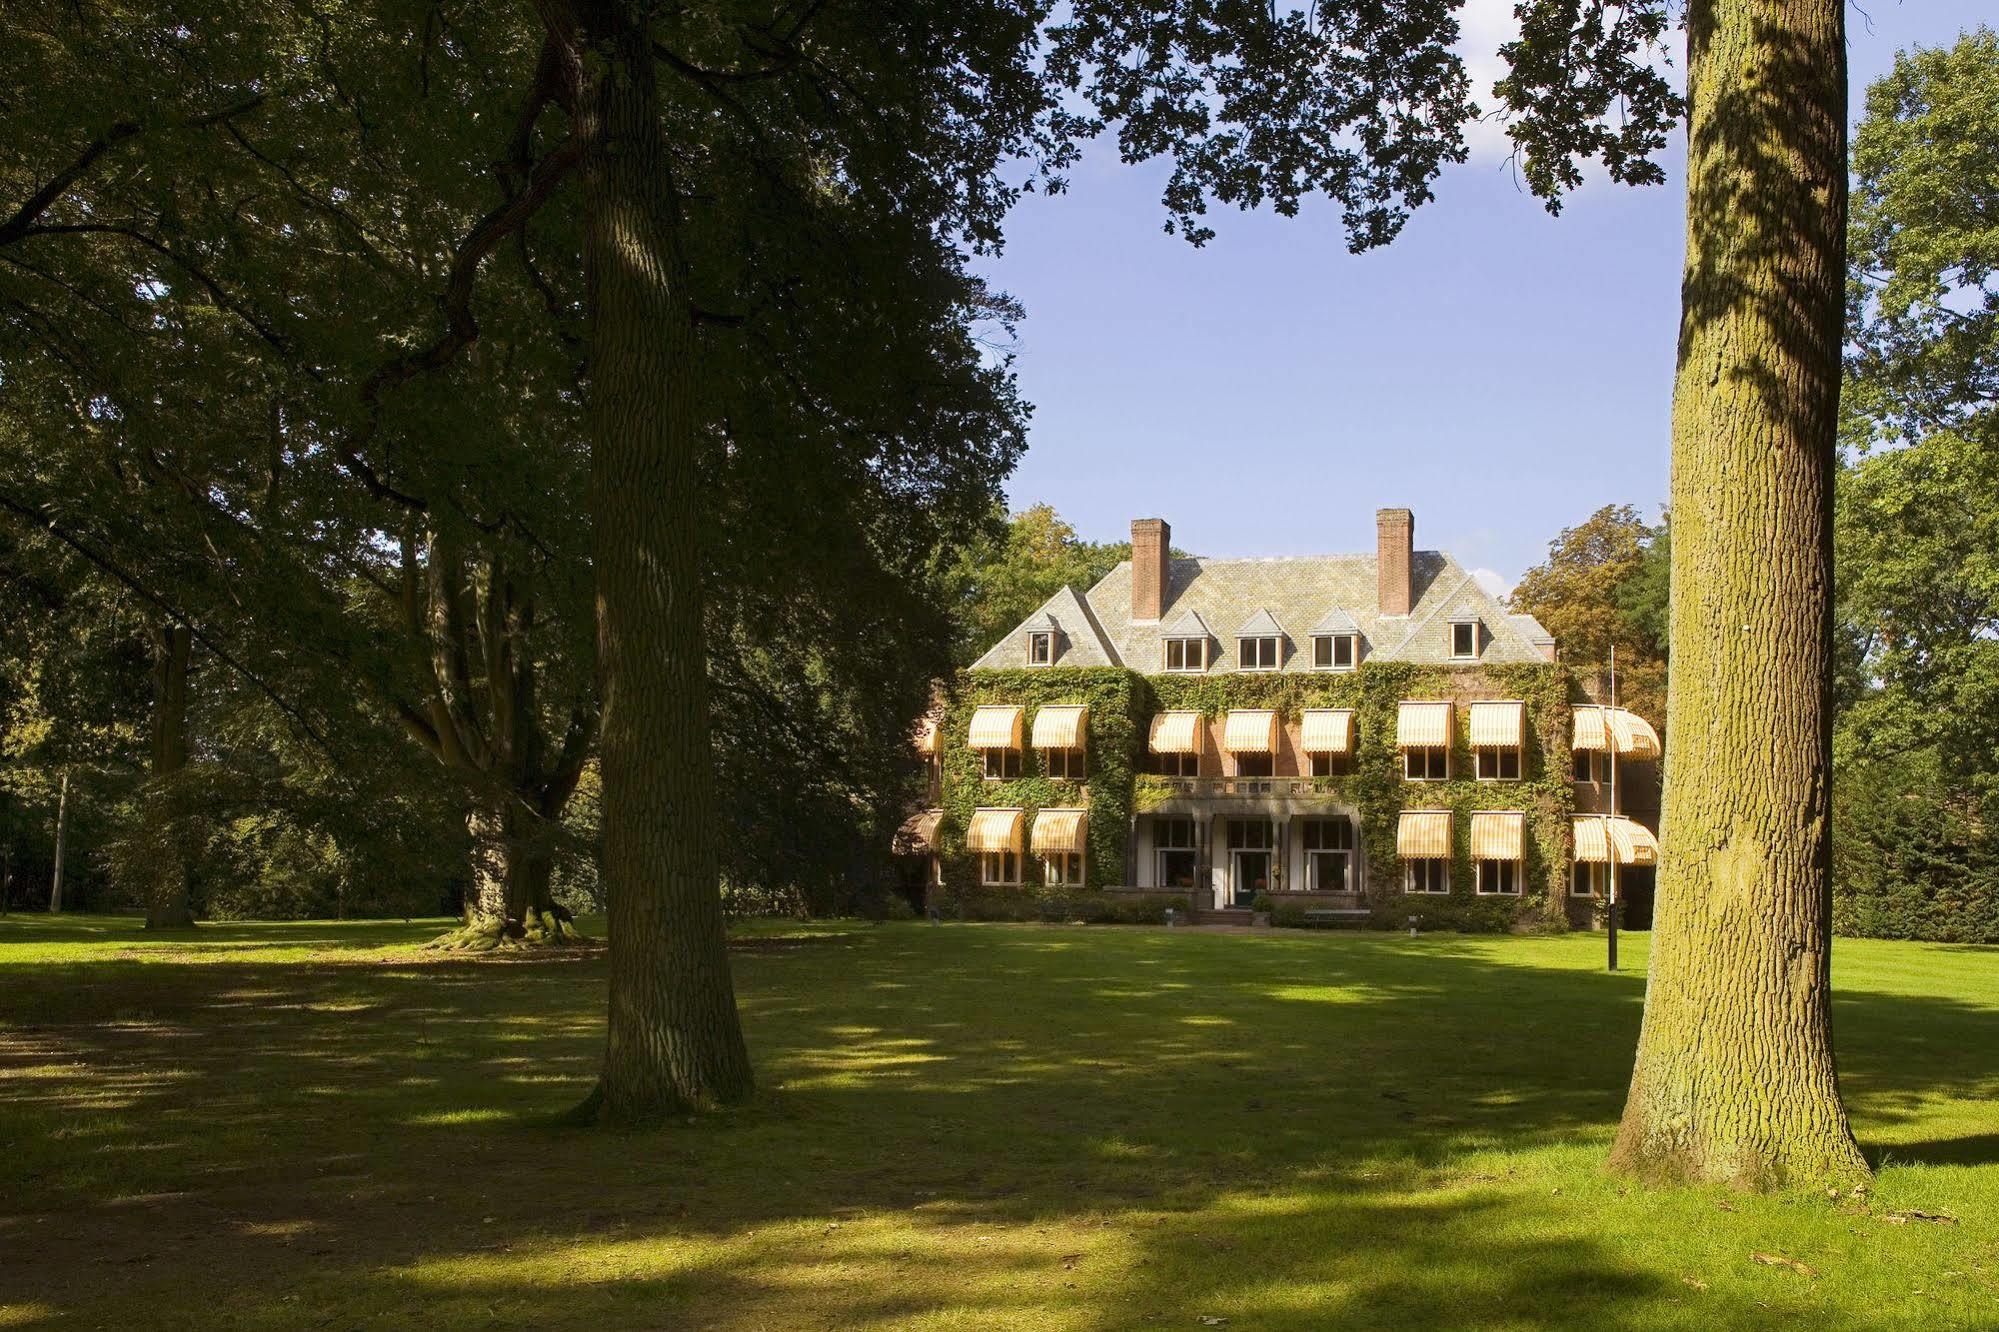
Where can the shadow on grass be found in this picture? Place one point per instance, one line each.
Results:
(1278, 1127)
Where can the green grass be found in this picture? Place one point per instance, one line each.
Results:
(959, 1126)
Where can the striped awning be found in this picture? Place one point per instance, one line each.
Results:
(1634, 735)
(1497, 725)
(926, 736)
(1176, 733)
(1597, 837)
(1250, 731)
(1424, 834)
(995, 727)
(1328, 731)
(1061, 727)
(1058, 830)
(994, 830)
(1499, 835)
(1598, 728)
(1423, 725)
(918, 834)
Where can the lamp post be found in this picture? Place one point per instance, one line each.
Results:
(1609, 844)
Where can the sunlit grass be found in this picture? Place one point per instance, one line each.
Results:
(284, 1125)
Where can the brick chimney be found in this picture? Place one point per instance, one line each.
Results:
(1151, 546)
(1395, 534)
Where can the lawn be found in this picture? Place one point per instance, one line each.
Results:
(959, 1126)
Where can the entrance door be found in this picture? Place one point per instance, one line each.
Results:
(1252, 876)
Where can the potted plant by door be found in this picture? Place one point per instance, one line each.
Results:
(1259, 910)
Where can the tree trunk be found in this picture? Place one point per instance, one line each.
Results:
(675, 1041)
(62, 840)
(1734, 1080)
(169, 907)
(509, 900)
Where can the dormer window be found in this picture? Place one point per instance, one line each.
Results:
(1041, 648)
(1184, 654)
(1333, 652)
(1256, 654)
(1464, 636)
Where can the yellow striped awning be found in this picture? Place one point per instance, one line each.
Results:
(1597, 837)
(1058, 830)
(1424, 834)
(1061, 727)
(1634, 735)
(994, 830)
(926, 736)
(1598, 728)
(1499, 835)
(918, 834)
(1498, 725)
(1328, 731)
(1176, 733)
(1250, 731)
(1423, 725)
(995, 727)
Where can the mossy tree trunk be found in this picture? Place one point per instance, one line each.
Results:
(675, 1041)
(1734, 1080)
(169, 905)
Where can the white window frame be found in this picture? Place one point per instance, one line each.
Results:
(1182, 765)
(1498, 752)
(1337, 765)
(1187, 646)
(1004, 862)
(1473, 626)
(1410, 874)
(1582, 878)
(1071, 763)
(1314, 854)
(1041, 648)
(1512, 871)
(1161, 850)
(1331, 643)
(1055, 867)
(1276, 650)
(1409, 750)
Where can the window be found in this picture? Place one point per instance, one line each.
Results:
(1497, 877)
(1328, 855)
(1592, 765)
(1499, 764)
(1063, 869)
(1001, 764)
(1256, 654)
(1186, 654)
(1331, 765)
(999, 868)
(1176, 765)
(1464, 639)
(1178, 859)
(1064, 765)
(1589, 880)
(1251, 835)
(1426, 876)
(1333, 652)
(1041, 648)
(1426, 763)
(1255, 765)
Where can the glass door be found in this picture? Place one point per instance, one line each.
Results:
(1252, 876)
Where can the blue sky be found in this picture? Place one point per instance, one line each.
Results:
(1499, 371)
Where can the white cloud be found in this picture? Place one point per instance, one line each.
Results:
(1494, 582)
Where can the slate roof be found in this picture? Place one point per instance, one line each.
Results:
(1096, 626)
(1260, 625)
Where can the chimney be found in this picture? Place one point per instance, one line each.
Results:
(1395, 534)
(1151, 544)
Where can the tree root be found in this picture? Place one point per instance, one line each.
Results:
(541, 929)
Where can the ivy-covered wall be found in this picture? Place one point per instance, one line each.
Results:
(1122, 703)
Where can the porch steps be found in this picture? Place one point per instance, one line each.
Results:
(1220, 916)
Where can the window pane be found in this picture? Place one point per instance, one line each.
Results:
(1322, 652)
(1343, 650)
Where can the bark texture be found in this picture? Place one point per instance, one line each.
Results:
(1734, 1080)
(62, 846)
(170, 906)
(675, 1041)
